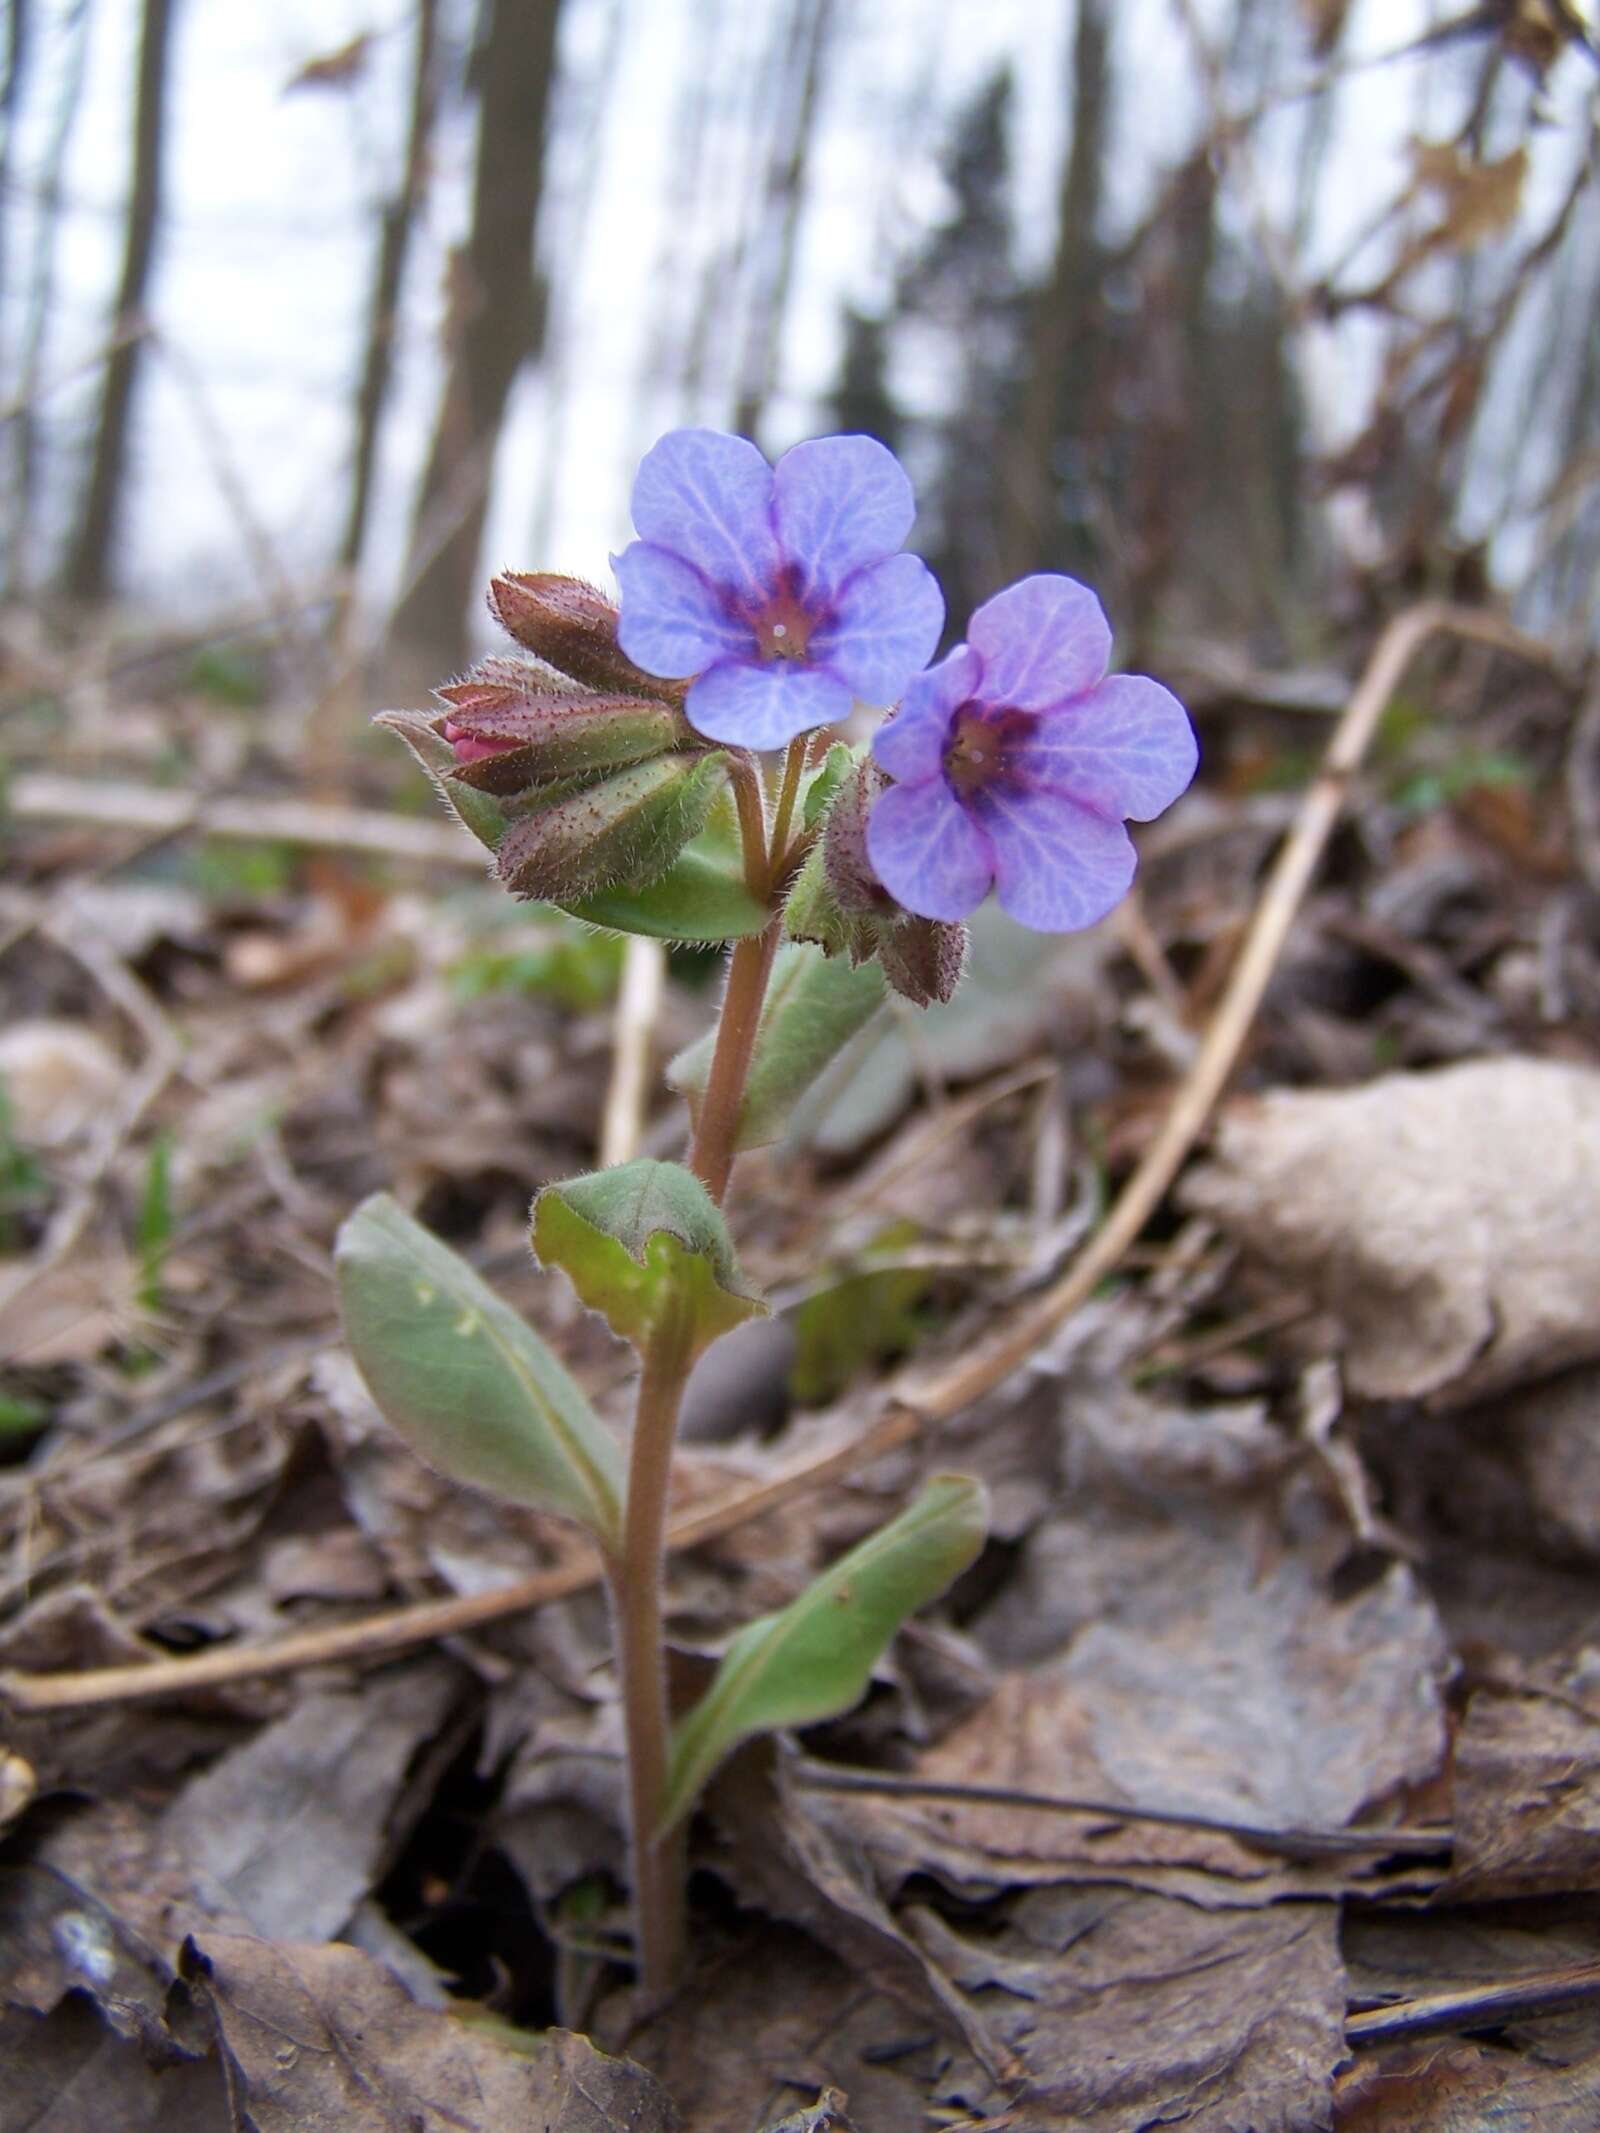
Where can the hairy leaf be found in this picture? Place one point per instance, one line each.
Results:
(816, 1004)
(464, 1380)
(645, 1244)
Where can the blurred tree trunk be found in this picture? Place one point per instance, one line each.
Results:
(394, 240)
(1061, 329)
(494, 326)
(799, 88)
(88, 566)
(19, 25)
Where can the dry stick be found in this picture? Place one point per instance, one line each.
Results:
(944, 1394)
(427, 1620)
(1476, 2006)
(1281, 1843)
(644, 964)
(41, 796)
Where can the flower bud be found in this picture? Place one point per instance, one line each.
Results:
(511, 727)
(838, 901)
(624, 829)
(573, 628)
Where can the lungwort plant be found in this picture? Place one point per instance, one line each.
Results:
(617, 773)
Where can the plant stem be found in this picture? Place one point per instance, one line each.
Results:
(750, 801)
(634, 1576)
(634, 1581)
(711, 1158)
(794, 764)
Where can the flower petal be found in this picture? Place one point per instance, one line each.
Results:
(764, 703)
(672, 622)
(883, 630)
(911, 745)
(839, 504)
(707, 497)
(1125, 749)
(1041, 640)
(1057, 866)
(928, 852)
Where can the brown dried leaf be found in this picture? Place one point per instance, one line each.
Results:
(1434, 2087)
(324, 2040)
(1441, 1216)
(293, 1827)
(1527, 1783)
(1131, 2010)
(1477, 199)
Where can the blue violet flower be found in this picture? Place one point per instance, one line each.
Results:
(781, 590)
(1016, 762)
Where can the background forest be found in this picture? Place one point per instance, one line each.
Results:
(1244, 1245)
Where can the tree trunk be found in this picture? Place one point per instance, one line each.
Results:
(88, 567)
(1060, 328)
(493, 329)
(800, 89)
(399, 216)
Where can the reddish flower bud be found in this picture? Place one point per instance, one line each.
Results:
(513, 725)
(573, 628)
(839, 902)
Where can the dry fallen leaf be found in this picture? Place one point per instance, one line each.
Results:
(1527, 1783)
(1445, 1217)
(294, 1827)
(324, 2040)
(1131, 2010)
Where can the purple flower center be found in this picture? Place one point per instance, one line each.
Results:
(782, 623)
(981, 736)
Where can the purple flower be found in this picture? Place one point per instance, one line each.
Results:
(1017, 760)
(780, 589)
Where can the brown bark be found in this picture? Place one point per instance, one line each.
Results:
(494, 326)
(88, 567)
(399, 217)
(1059, 327)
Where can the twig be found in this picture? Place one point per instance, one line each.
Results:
(427, 1620)
(1477, 2006)
(1282, 1843)
(945, 1392)
(41, 796)
(644, 966)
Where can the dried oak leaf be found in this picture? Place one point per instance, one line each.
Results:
(321, 2039)
(1448, 2087)
(1130, 2010)
(1527, 1783)
(1444, 1217)
(293, 1828)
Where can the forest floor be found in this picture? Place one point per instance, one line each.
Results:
(1289, 1625)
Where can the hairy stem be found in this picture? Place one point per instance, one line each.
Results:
(794, 764)
(634, 1581)
(749, 799)
(711, 1158)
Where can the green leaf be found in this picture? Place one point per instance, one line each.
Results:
(645, 1245)
(701, 897)
(815, 1657)
(815, 1005)
(870, 1314)
(464, 1380)
(824, 782)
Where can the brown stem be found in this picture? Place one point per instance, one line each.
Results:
(794, 764)
(634, 1581)
(711, 1158)
(749, 799)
